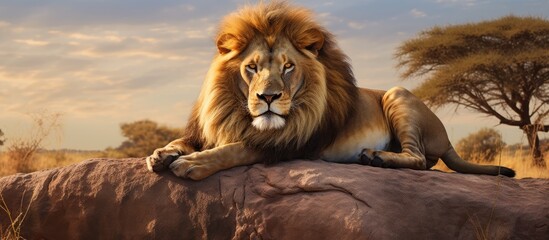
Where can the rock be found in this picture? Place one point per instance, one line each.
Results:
(120, 199)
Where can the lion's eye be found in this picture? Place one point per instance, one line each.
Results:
(251, 68)
(288, 67)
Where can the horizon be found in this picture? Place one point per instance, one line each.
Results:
(101, 64)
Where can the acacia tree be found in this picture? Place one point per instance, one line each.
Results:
(499, 68)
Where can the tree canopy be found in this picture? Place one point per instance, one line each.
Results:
(144, 136)
(499, 68)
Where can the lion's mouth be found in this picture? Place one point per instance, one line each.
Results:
(268, 120)
(268, 113)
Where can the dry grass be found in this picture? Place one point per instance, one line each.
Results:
(46, 160)
(13, 231)
(520, 161)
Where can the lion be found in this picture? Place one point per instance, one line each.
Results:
(280, 88)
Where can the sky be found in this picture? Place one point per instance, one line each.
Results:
(102, 63)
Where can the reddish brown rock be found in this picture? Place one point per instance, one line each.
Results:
(119, 199)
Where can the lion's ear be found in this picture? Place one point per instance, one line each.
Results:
(311, 40)
(227, 43)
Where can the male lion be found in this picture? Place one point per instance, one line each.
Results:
(280, 88)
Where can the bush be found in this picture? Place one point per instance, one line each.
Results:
(482, 145)
(144, 136)
(21, 151)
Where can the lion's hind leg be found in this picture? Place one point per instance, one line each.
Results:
(411, 122)
(392, 160)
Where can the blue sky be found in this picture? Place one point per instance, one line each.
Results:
(101, 63)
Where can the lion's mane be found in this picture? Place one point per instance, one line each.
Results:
(324, 103)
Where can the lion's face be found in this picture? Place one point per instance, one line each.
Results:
(271, 78)
(278, 82)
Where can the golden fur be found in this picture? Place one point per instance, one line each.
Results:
(280, 88)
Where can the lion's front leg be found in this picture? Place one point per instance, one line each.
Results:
(163, 157)
(200, 165)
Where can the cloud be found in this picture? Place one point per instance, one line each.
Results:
(102, 70)
(32, 42)
(417, 13)
(67, 14)
(187, 7)
(355, 25)
(327, 19)
(468, 3)
(4, 24)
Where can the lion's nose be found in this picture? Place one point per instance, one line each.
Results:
(269, 98)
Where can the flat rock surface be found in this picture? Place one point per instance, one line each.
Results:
(120, 199)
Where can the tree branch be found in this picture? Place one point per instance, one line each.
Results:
(478, 104)
(536, 127)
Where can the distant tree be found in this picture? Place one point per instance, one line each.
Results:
(144, 136)
(482, 145)
(499, 68)
(2, 139)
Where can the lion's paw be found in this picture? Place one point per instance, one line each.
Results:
(192, 167)
(162, 158)
(369, 157)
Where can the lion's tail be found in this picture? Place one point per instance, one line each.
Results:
(456, 163)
